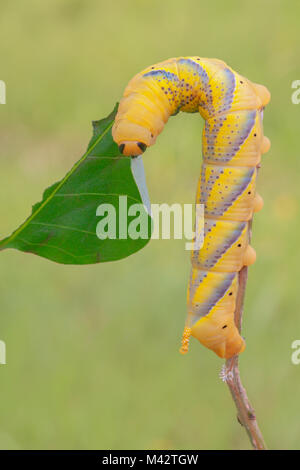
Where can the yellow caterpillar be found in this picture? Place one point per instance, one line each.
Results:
(232, 145)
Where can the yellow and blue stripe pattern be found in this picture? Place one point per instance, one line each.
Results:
(232, 145)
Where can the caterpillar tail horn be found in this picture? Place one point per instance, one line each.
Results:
(185, 340)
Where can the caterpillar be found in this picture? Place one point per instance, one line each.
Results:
(232, 145)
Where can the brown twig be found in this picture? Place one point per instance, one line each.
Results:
(231, 374)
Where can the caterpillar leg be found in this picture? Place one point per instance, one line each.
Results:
(263, 93)
(258, 203)
(266, 144)
(249, 256)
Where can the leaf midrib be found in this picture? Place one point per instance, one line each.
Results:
(4, 242)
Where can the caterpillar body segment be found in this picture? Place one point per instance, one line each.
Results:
(232, 145)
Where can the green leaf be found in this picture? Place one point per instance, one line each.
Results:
(62, 227)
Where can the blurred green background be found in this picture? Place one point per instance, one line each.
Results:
(92, 352)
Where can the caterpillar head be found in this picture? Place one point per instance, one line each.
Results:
(220, 336)
(132, 149)
(132, 139)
